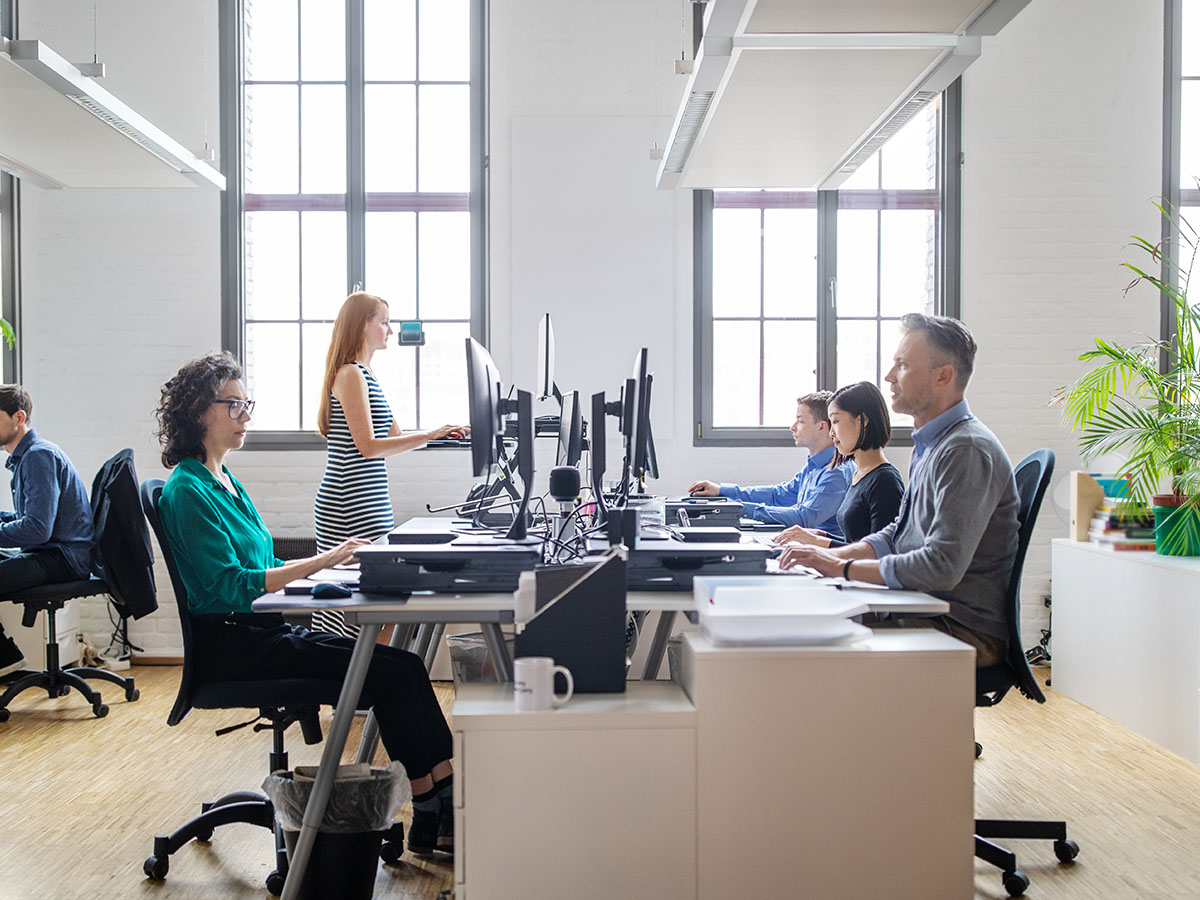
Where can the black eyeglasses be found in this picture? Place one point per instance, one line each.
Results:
(237, 407)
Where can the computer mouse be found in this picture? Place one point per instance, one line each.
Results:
(327, 590)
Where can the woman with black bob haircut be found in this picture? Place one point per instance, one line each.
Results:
(860, 428)
(225, 558)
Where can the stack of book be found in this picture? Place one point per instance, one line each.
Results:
(1120, 524)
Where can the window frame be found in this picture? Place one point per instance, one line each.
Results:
(233, 301)
(948, 298)
(10, 243)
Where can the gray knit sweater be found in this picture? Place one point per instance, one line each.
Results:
(957, 534)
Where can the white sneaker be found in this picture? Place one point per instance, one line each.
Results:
(14, 667)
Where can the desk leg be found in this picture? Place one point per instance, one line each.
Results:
(421, 642)
(497, 650)
(436, 630)
(666, 620)
(331, 756)
(370, 733)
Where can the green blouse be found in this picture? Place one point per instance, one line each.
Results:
(221, 546)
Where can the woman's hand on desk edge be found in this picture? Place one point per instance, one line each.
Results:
(801, 535)
(339, 554)
(824, 561)
(449, 431)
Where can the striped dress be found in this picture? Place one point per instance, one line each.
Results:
(352, 500)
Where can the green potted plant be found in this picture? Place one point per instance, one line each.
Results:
(1143, 401)
(6, 331)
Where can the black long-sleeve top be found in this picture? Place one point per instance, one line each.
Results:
(870, 505)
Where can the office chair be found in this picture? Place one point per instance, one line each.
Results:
(992, 683)
(116, 529)
(281, 702)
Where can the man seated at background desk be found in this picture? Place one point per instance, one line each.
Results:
(50, 529)
(956, 536)
(812, 498)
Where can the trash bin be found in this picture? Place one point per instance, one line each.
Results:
(469, 658)
(361, 809)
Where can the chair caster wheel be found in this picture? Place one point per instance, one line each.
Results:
(204, 836)
(132, 694)
(1015, 883)
(4, 714)
(391, 852)
(100, 709)
(1066, 851)
(156, 868)
(275, 883)
(978, 749)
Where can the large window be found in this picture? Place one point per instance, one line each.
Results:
(360, 136)
(1181, 172)
(803, 290)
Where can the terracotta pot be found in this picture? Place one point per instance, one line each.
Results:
(1168, 500)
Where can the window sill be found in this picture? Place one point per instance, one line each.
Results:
(773, 437)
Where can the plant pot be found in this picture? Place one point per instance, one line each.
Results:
(1176, 528)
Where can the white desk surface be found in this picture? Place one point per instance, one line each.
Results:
(658, 704)
(891, 640)
(1144, 557)
(463, 607)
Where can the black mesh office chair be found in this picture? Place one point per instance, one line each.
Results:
(118, 522)
(281, 702)
(992, 683)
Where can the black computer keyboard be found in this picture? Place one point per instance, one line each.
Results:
(449, 442)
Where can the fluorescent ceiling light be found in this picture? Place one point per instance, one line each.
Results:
(62, 149)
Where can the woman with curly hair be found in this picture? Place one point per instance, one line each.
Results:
(225, 558)
(355, 419)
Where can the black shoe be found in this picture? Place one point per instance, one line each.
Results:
(445, 832)
(423, 833)
(11, 657)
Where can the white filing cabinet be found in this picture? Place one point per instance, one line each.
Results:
(32, 641)
(834, 771)
(596, 799)
(1127, 639)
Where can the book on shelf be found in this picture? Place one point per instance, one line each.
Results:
(1121, 543)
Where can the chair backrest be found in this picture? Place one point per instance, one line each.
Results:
(151, 492)
(122, 554)
(1033, 475)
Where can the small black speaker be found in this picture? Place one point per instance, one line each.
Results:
(564, 483)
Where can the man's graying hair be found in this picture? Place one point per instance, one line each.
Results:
(14, 397)
(949, 340)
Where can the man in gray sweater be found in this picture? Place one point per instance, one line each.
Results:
(956, 534)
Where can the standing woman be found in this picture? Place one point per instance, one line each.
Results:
(356, 421)
(860, 427)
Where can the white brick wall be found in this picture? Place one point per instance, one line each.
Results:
(1061, 129)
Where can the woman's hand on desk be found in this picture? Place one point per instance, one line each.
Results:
(797, 534)
(449, 431)
(342, 552)
(824, 561)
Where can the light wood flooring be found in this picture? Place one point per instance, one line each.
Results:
(81, 798)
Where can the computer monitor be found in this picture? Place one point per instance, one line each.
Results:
(546, 387)
(484, 407)
(570, 431)
(488, 407)
(646, 462)
(635, 415)
(599, 410)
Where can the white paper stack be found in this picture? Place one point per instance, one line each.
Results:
(765, 611)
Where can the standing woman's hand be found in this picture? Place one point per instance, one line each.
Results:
(449, 431)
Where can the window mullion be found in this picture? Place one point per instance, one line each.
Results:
(356, 196)
(827, 210)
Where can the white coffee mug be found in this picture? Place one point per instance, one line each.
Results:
(533, 684)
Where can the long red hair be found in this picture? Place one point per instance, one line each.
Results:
(347, 342)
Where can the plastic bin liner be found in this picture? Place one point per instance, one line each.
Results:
(469, 659)
(355, 804)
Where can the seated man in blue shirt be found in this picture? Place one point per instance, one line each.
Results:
(47, 538)
(812, 498)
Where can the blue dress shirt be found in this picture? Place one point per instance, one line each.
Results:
(51, 505)
(811, 499)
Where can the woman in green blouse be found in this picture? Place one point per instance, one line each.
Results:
(226, 560)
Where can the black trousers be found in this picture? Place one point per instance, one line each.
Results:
(20, 571)
(253, 647)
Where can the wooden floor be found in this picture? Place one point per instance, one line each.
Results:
(81, 798)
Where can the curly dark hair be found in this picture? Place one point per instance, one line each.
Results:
(185, 399)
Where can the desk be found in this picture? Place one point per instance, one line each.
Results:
(1127, 639)
(818, 771)
(370, 611)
